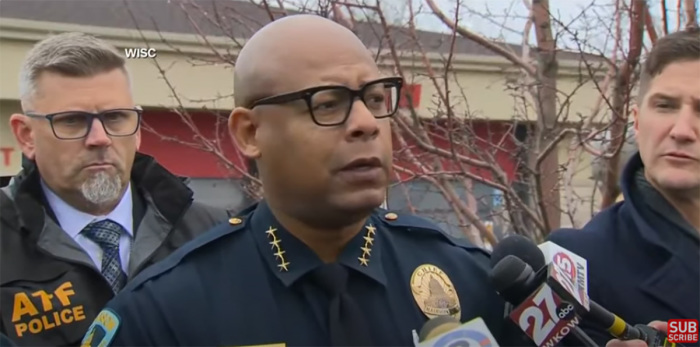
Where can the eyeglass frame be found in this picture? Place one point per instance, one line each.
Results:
(92, 116)
(307, 95)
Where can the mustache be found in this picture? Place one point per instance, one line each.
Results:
(97, 157)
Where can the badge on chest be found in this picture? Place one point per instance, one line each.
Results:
(434, 292)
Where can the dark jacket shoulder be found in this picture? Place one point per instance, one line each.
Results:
(420, 227)
(200, 244)
(596, 237)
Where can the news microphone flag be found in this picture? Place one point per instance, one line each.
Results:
(473, 333)
(570, 268)
(570, 272)
(556, 307)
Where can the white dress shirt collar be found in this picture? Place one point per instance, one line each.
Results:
(73, 221)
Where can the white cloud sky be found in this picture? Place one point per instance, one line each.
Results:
(590, 20)
(579, 24)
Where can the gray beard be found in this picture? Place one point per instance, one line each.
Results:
(101, 188)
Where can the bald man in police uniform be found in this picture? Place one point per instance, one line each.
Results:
(316, 263)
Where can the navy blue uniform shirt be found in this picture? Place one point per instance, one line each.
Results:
(244, 283)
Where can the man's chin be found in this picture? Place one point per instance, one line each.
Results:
(680, 183)
(366, 199)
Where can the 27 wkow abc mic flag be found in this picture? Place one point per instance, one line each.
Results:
(548, 315)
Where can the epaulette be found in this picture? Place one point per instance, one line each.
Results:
(231, 226)
(415, 223)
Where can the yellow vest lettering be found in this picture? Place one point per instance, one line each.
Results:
(78, 313)
(28, 318)
(51, 320)
(20, 329)
(35, 326)
(46, 323)
(66, 316)
(63, 292)
(57, 318)
(23, 306)
(45, 300)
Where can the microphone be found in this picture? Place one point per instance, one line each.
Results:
(542, 311)
(521, 247)
(575, 268)
(566, 274)
(443, 331)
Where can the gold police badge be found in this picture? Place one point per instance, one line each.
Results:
(434, 292)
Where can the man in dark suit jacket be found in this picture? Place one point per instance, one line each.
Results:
(644, 252)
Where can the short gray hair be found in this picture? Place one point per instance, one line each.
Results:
(67, 54)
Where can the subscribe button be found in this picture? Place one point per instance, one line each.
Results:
(683, 330)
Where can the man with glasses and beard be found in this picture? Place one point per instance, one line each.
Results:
(316, 263)
(88, 212)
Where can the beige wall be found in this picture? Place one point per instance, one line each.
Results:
(578, 199)
(196, 86)
(482, 79)
(484, 95)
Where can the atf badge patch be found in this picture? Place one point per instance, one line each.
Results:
(434, 292)
(102, 330)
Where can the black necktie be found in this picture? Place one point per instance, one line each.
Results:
(347, 324)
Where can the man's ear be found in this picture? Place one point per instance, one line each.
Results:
(24, 134)
(243, 128)
(635, 119)
(138, 138)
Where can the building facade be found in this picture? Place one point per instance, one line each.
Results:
(194, 141)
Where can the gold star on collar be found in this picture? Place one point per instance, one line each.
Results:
(367, 247)
(283, 266)
(275, 243)
(279, 253)
(370, 230)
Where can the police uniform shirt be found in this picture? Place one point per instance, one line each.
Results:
(246, 283)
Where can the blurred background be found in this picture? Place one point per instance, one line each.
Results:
(514, 117)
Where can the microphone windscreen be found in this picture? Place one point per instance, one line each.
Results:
(437, 326)
(521, 247)
(507, 272)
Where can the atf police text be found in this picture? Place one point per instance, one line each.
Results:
(39, 311)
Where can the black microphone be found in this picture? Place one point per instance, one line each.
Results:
(521, 247)
(517, 245)
(544, 314)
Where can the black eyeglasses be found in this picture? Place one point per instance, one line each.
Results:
(73, 125)
(331, 105)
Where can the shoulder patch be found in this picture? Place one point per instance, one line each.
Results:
(102, 329)
(420, 224)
